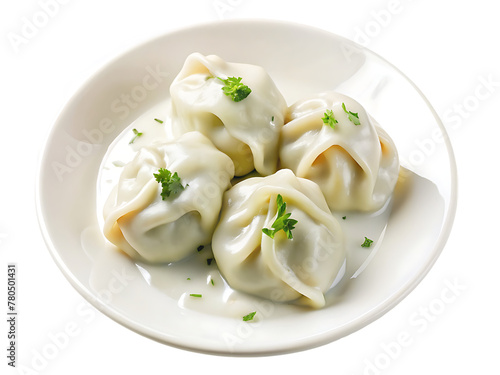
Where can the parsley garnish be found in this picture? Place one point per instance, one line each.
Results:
(367, 242)
(344, 217)
(195, 295)
(170, 183)
(329, 119)
(250, 316)
(158, 120)
(282, 221)
(353, 117)
(234, 88)
(136, 134)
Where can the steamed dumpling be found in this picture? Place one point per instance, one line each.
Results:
(281, 269)
(152, 229)
(247, 130)
(356, 166)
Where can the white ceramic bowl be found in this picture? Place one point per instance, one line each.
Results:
(302, 61)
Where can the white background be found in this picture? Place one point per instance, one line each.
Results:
(448, 48)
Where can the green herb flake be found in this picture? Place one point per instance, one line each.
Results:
(235, 89)
(353, 117)
(158, 120)
(329, 119)
(195, 295)
(188, 278)
(136, 134)
(282, 221)
(344, 217)
(170, 183)
(249, 317)
(212, 282)
(367, 242)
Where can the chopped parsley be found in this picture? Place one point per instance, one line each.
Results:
(353, 117)
(282, 221)
(170, 183)
(344, 217)
(158, 120)
(235, 89)
(250, 316)
(329, 119)
(367, 242)
(212, 281)
(195, 295)
(136, 134)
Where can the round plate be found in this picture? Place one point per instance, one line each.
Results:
(302, 61)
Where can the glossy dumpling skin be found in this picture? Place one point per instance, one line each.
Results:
(248, 131)
(356, 166)
(301, 269)
(148, 228)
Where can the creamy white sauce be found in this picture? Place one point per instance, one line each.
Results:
(184, 280)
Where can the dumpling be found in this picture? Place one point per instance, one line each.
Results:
(150, 228)
(301, 268)
(247, 130)
(355, 163)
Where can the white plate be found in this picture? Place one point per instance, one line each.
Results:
(302, 61)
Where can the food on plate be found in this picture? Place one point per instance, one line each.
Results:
(330, 139)
(277, 239)
(258, 181)
(167, 200)
(237, 106)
